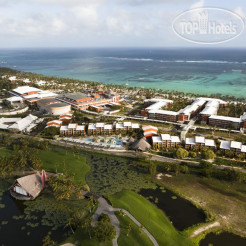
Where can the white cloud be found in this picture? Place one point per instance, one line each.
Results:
(199, 4)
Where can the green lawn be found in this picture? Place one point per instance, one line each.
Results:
(152, 218)
(56, 162)
(135, 236)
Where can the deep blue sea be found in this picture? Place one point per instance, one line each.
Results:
(204, 71)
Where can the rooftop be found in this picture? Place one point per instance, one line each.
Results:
(165, 137)
(156, 139)
(226, 118)
(225, 145)
(166, 112)
(199, 139)
(75, 95)
(25, 89)
(190, 141)
(236, 145)
(209, 143)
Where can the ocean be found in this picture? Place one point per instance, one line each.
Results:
(203, 71)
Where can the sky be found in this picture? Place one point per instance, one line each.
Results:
(102, 23)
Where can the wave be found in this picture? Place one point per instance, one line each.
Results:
(172, 61)
(127, 59)
(202, 61)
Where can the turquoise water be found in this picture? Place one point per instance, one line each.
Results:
(203, 71)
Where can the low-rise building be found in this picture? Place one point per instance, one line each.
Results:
(224, 121)
(92, 130)
(149, 131)
(165, 141)
(53, 106)
(72, 130)
(55, 123)
(190, 143)
(108, 129)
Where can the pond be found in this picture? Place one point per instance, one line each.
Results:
(181, 212)
(112, 174)
(22, 224)
(224, 238)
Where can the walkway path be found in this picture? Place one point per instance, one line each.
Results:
(105, 208)
(138, 224)
(204, 228)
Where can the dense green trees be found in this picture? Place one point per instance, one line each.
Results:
(208, 154)
(104, 230)
(181, 153)
(52, 131)
(62, 186)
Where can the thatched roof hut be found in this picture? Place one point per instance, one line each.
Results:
(27, 187)
(141, 145)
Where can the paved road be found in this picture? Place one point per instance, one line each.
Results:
(204, 228)
(138, 224)
(106, 208)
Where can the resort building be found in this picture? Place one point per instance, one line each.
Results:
(15, 99)
(126, 126)
(224, 121)
(108, 129)
(205, 107)
(53, 106)
(150, 131)
(190, 143)
(165, 141)
(163, 115)
(80, 100)
(119, 127)
(66, 118)
(157, 142)
(225, 145)
(28, 187)
(55, 123)
(191, 110)
(92, 130)
(209, 143)
(100, 128)
(30, 94)
(175, 141)
(20, 124)
(155, 104)
(12, 79)
(24, 91)
(199, 142)
(236, 147)
(211, 108)
(73, 130)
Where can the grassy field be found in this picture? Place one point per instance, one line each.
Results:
(54, 161)
(135, 236)
(58, 161)
(153, 219)
(226, 201)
